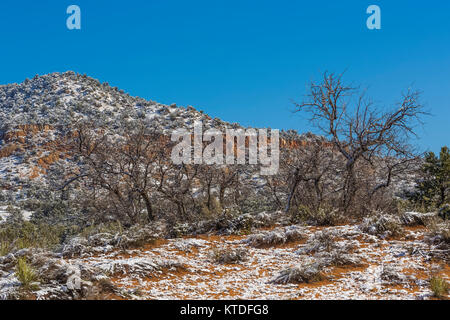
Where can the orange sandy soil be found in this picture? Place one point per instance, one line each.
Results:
(198, 277)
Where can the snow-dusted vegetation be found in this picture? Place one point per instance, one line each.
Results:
(92, 207)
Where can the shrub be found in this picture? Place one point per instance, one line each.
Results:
(26, 274)
(323, 216)
(110, 227)
(304, 274)
(245, 227)
(319, 242)
(256, 204)
(275, 237)
(300, 215)
(444, 212)
(382, 225)
(406, 205)
(29, 235)
(439, 231)
(439, 287)
(4, 248)
(338, 257)
(228, 255)
(417, 219)
(439, 239)
(434, 188)
(391, 274)
(179, 230)
(214, 210)
(15, 215)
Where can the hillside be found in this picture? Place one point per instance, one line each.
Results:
(36, 114)
(92, 207)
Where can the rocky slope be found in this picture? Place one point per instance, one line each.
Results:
(251, 255)
(36, 115)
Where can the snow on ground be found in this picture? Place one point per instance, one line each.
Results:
(4, 214)
(189, 268)
(183, 269)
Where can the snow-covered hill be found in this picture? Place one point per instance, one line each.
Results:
(62, 98)
(36, 114)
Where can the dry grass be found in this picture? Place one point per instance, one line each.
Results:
(228, 255)
(275, 237)
(382, 225)
(307, 273)
(320, 241)
(26, 274)
(338, 258)
(439, 287)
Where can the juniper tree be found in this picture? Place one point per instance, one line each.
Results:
(434, 187)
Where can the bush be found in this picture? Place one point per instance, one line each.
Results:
(439, 231)
(4, 248)
(26, 274)
(227, 223)
(228, 255)
(110, 227)
(300, 215)
(433, 189)
(275, 237)
(25, 234)
(403, 205)
(256, 204)
(439, 287)
(319, 242)
(391, 274)
(382, 225)
(214, 210)
(305, 274)
(417, 219)
(338, 257)
(324, 216)
(444, 212)
(439, 239)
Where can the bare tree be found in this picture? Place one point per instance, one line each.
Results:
(360, 130)
(177, 186)
(307, 173)
(118, 172)
(228, 178)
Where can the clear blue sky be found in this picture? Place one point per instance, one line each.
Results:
(242, 61)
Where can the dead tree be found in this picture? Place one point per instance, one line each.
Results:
(118, 170)
(360, 130)
(307, 168)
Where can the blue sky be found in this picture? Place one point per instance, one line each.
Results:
(242, 61)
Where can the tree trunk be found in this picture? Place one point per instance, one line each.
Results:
(291, 194)
(318, 192)
(349, 188)
(148, 205)
(221, 196)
